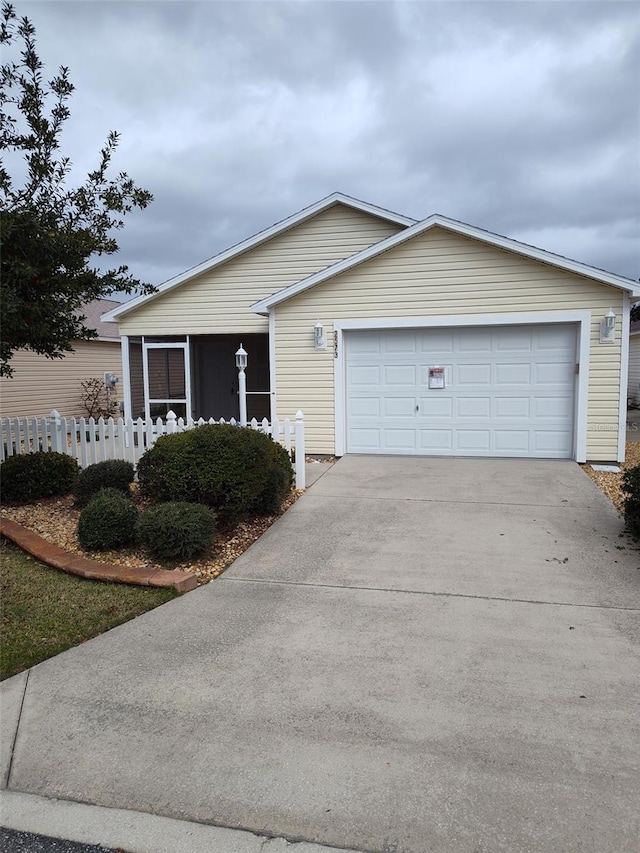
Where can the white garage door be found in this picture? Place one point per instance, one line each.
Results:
(508, 391)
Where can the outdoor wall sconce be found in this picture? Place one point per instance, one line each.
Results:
(241, 364)
(608, 328)
(318, 336)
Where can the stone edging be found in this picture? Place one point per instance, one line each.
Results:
(74, 564)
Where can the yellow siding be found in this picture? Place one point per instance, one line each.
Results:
(219, 301)
(433, 274)
(41, 384)
(634, 368)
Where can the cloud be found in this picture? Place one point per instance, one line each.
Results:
(522, 118)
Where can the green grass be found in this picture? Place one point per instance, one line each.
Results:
(45, 611)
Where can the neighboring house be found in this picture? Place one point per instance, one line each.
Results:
(392, 336)
(633, 386)
(40, 384)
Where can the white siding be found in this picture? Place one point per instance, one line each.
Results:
(40, 384)
(219, 301)
(439, 273)
(634, 368)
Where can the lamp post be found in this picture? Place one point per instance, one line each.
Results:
(241, 364)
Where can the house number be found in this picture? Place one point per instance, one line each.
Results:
(335, 344)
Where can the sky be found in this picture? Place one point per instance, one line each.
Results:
(522, 118)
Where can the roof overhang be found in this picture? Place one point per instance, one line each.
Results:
(256, 240)
(438, 221)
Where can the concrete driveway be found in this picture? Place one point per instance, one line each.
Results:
(421, 655)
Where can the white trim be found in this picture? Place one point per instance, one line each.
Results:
(256, 240)
(624, 377)
(437, 221)
(272, 367)
(186, 349)
(581, 318)
(126, 378)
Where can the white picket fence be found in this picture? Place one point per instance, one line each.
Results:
(91, 440)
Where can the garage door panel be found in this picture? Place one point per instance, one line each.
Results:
(513, 374)
(399, 374)
(399, 407)
(364, 375)
(400, 439)
(436, 407)
(435, 341)
(395, 343)
(559, 407)
(436, 440)
(475, 340)
(365, 407)
(509, 391)
(473, 374)
(512, 407)
(554, 373)
(477, 440)
(474, 407)
(512, 340)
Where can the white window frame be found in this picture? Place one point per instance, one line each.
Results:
(185, 347)
(582, 319)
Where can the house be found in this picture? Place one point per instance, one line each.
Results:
(392, 336)
(633, 383)
(40, 384)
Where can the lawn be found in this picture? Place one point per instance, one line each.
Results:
(45, 611)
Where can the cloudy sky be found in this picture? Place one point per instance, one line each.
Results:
(519, 117)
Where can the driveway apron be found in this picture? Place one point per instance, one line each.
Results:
(420, 655)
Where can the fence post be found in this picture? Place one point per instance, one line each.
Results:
(56, 423)
(300, 453)
(172, 426)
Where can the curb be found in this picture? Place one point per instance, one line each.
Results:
(74, 564)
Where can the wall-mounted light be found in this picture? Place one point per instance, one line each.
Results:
(608, 328)
(318, 336)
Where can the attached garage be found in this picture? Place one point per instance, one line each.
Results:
(366, 312)
(471, 391)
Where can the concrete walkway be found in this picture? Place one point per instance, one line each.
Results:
(420, 655)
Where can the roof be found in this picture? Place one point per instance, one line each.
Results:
(438, 221)
(93, 312)
(256, 240)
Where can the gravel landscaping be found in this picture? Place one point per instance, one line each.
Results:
(611, 483)
(56, 520)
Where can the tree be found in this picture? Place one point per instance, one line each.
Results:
(51, 235)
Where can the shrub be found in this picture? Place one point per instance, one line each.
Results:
(631, 503)
(176, 531)
(113, 474)
(37, 475)
(279, 480)
(235, 471)
(108, 521)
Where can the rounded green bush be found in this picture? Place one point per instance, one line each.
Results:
(177, 530)
(238, 472)
(108, 521)
(37, 475)
(279, 480)
(631, 503)
(112, 474)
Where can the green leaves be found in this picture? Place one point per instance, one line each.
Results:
(51, 232)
